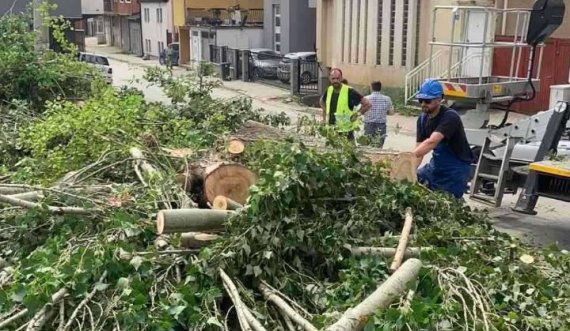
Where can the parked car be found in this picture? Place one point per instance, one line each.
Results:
(100, 62)
(309, 71)
(264, 63)
(174, 54)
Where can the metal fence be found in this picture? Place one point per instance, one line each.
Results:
(299, 74)
(308, 73)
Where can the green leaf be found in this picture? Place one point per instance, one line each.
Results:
(257, 271)
(214, 321)
(136, 262)
(19, 295)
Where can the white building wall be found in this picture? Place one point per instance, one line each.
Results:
(240, 38)
(153, 30)
(92, 7)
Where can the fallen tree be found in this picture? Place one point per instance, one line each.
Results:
(306, 246)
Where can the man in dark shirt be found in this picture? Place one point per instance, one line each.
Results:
(439, 129)
(354, 99)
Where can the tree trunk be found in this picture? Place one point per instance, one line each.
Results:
(223, 203)
(355, 318)
(188, 220)
(197, 239)
(230, 180)
(387, 251)
(399, 256)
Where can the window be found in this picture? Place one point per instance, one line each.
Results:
(127, 1)
(388, 33)
(277, 28)
(159, 15)
(147, 15)
(160, 46)
(392, 28)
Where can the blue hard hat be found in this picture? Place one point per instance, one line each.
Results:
(430, 89)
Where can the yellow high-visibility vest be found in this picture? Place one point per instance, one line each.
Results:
(342, 112)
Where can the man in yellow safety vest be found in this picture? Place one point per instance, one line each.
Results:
(338, 105)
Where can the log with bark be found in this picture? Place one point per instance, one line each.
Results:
(403, 243)
(388, 252)
(197, 239)
(402, 165)
(189, 220)
(393, 288)
(230, 180)
(223, 203)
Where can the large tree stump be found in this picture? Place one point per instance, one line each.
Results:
(230, 180)
(189, 220)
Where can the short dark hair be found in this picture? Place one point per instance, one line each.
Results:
(335, 69)
(344, 81)
(376, 86)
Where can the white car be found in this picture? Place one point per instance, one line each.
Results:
(100, 62)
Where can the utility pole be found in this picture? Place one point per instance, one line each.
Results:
(42, 40)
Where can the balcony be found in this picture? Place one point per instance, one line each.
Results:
(224, 17)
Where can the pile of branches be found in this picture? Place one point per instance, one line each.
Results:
(308, 247)
(171, 217)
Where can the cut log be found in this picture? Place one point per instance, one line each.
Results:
(197, 239)
(188, 220)
(236, 147)
(9, 189)
(230, 180)
(394, 287)
(388, 251)
(403, 243)
(223, 203)
(402, 165)
(28, 196)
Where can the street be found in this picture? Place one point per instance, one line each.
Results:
(551, 225)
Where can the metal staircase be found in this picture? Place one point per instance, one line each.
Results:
(439, 69)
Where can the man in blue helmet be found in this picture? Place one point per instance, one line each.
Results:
(439, 129)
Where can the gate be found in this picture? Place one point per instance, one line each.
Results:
(136, 38)
(125, 35)
(234, 57)
(308, 74)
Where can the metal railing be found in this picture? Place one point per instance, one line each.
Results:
(416, 76)
(224, 17)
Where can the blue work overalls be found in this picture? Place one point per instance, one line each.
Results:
(445, 171)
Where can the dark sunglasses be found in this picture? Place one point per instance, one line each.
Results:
(426, 101)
